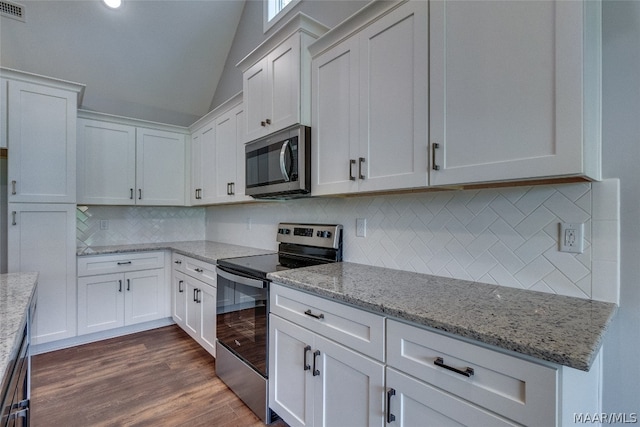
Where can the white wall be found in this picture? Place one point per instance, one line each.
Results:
(621, 156)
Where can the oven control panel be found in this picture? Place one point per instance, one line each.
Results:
(321, 235)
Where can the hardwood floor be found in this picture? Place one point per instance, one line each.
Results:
(154, 378)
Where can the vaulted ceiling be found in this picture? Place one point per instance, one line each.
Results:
(151, 59)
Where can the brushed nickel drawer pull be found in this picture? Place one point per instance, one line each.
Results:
(440, 362)
(315, 316)
(124, 263)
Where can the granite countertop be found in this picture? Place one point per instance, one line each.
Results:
(559, 329)
(16, 291)
(203, 250)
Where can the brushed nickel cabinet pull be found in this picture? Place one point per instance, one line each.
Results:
(139, 193)
(131, 193)
(268, 121)
(263, 123)
(434, 147)
(13, 218)
(119, 285)
(315, 355)
(360, 162)
(128, 284)
(180, 289)
(390, 417)
(13, 187)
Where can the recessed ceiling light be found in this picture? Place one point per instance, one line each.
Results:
(113, 4)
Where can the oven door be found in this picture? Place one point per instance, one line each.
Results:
(241, 317)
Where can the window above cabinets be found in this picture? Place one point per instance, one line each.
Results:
(274, 10)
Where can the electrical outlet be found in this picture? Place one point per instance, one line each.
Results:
(104, 224)
(361, 227)
(571, 237)
(248, 223)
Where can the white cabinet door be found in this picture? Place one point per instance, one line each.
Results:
(42, 133)
(508, 88)
(335, 120)
(3, 113)
(207, 301)
(290, 376)
(100, 303)
(415, 403)
(200, 317)
(41, 237)
(349, 389)
(229, 157)
(393, 100)
(106, 163)
(144, 296)
(369, 106)
(203, 159)
(179, 301)
(283, 106)
(315, 381)
(160, 168)
(272, 92)
(255, 91)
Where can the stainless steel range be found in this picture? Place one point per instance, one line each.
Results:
(243, 306)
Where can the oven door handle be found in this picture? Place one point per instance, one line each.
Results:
(254, 283)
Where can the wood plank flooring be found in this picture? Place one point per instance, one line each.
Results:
(154, 378)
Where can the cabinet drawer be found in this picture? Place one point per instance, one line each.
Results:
(517, 389)
(200, 270)
(119, 263)
(349, 326)
(178, 262)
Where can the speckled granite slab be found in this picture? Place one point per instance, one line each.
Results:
(16, 290)
(200, 249)
(559, 329)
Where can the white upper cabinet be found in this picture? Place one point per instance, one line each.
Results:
(3, 113)
(217, 155)
(203, 173)
(514, 90)
(106, 163)
(276, 79)
(41, 138)
(160, 167)
(120, 163)
(369, 105)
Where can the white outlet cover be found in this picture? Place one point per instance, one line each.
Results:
(571, 237)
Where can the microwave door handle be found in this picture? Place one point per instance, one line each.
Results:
(283, 165)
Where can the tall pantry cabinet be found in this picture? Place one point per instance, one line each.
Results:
(40, 126)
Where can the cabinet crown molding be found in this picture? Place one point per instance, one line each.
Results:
(112, 118)
(298, 23)
(24, 76)
(353, 24)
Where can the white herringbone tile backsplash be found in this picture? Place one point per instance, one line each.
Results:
(132, 224)
(506, 236)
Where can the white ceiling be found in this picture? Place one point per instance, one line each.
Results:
(151, 59)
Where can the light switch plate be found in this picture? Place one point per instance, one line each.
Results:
(571, 237)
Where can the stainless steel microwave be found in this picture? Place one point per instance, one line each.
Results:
(278, 166)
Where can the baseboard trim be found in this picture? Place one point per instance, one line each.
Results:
(99, 336)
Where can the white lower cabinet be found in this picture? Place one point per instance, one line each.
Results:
(314, 380)
(465, 383)
(416, 403)
(194, 294)
(331, 364)
(122, 297)
(41, 237)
